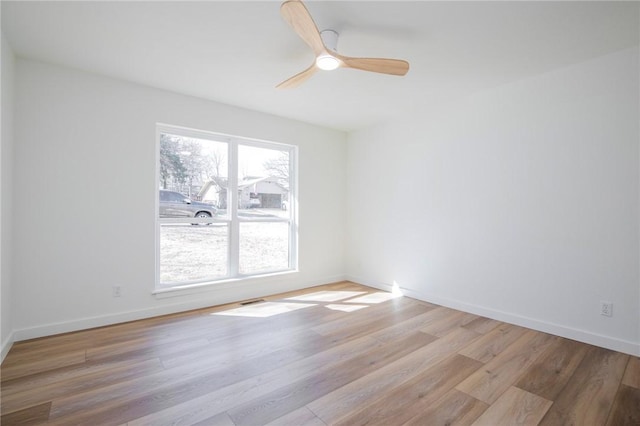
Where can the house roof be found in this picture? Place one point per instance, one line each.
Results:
(222, 182)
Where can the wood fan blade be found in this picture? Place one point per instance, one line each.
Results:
(297, 15)
(299, 78)
(380, 65)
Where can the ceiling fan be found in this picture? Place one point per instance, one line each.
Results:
(324, 44)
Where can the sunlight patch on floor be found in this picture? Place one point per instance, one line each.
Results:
(264, 310)
(346, 308)
(326, 296)
(378, 297)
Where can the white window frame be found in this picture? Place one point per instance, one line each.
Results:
(232, 220)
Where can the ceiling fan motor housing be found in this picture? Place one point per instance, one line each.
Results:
(330, 39)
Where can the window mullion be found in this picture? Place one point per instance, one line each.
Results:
(293, 209)
(232, 205)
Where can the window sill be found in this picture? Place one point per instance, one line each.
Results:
(184, 290)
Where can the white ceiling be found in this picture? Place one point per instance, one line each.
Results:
(235, 52)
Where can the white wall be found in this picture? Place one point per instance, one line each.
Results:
(6, 153)
(84, 193)
(520, 203)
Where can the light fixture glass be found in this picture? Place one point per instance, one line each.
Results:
(327, 62)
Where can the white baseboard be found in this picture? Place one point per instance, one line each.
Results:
(165, 309)
(595, 339)
(6, 346)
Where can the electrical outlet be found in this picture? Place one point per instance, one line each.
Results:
(117, 291)
(606, 309)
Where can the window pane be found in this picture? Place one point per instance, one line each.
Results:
(263, 182)
(193, 176)
(193, 252)
(264, 246)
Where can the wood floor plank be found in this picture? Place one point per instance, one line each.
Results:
(300, 393)
(249, 348)
(153, 328)
(364, 316)
(35, 415)
(414, 396)
(141, 349)
(515, 407)
(550, 373)
(453, 408)
(221, 419)
(626, 407)
(482, 325)
(300, 417)
(488, 383)
(450, 322)
(80, 384)
(632, 373)
(204, 324)
(60, 375)
(52, 345)
(252, 327)
(411, 325)
(225, 398)
(588, 396)
(363, 391)
(15, 370)
(130, 400)
(493, 343)
(373, 322)
(176, 331)
(134, 404)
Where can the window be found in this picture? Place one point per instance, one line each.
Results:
(226, 207)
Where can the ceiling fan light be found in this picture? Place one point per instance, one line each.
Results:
(327, 62)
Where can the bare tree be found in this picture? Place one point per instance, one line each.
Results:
(213, 163)
(278, 167)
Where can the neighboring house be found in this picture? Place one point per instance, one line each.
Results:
(265, 192)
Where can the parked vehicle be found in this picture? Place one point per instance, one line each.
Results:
(175, 204)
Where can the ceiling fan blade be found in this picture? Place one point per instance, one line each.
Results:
(380, 65)
(299, 78)
(297, 15)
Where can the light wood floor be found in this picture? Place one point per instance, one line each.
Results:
(390, 362)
